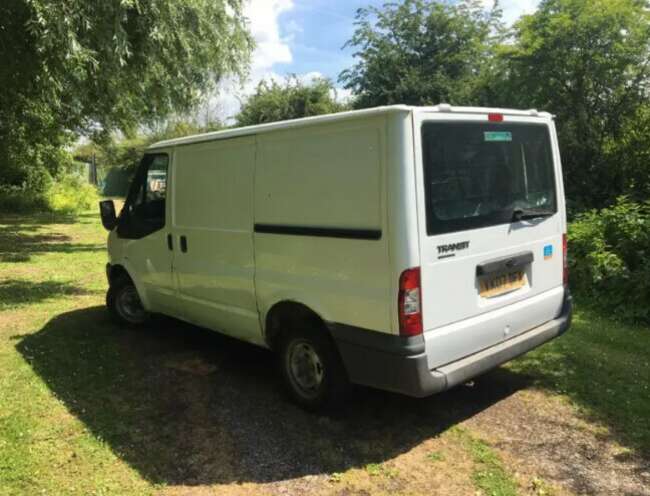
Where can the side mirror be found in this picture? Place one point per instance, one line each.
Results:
(107, 212)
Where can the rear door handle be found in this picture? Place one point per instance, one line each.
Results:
(183, 244)
(170, 243)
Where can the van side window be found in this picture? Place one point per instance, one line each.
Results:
(144, 211)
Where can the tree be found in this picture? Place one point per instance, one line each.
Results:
(587, 62)
(292, 99)
(628, 157)
(420, 52)
(117, 157)
(80, 66)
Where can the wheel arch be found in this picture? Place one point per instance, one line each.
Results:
(285, 313)
(117, 270)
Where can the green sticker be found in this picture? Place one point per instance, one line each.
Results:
(498, 136)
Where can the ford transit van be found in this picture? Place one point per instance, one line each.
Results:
(403, 248)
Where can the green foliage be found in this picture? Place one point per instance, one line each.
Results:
(180, 127)
(421, 53)
(18, 199)
(627, 155)
(291, 100)
(118, 63)
(126, 153)
(94, 67)
(587, 61)
(123, 154)
(118, 158)
(68, 194)
(609, 256)
(71, 195)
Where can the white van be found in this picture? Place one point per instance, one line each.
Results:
(408, 249)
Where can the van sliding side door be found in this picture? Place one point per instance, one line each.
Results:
(212, 236)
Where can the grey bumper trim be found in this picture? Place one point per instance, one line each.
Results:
(409, 374)
(377, 341)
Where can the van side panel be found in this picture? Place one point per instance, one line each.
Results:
(321, 233)
(213, 210)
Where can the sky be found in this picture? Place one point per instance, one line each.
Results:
(306, 38)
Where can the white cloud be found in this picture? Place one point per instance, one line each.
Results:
(343, 95)
(513, 9)
(271, 48)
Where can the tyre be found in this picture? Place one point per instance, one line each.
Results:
(311, 368)
(124, 303)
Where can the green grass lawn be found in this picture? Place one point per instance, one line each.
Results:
(88, 408)
(604, 368)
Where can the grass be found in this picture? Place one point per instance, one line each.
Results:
(88, 408)
(435, 456)
(48, 265)
(603, 367)
(489, 474)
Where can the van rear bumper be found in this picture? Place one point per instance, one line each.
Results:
(400, 365)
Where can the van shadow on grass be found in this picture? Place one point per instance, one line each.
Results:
(186, 406)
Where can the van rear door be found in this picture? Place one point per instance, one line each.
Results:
(491, 221)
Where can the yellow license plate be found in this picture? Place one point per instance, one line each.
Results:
(502, 283)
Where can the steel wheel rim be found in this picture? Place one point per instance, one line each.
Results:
(130, 306)
(305, 368)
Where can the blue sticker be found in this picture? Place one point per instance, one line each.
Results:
(548, 252)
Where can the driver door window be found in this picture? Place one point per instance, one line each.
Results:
(145, 205)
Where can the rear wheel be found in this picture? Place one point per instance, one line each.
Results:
(312, 369)
(124, 303)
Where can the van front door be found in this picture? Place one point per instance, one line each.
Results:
(143, 227)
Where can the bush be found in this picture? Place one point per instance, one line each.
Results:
(71, 195)
(608, 258)
(292, 99)
(21, 200)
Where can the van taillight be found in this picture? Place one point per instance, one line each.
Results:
(410, 303)
(565, 261)
(495, 117)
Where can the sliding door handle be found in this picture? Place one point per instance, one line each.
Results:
(170, 243)
(183, 244)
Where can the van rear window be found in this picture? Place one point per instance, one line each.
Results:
(479, 174)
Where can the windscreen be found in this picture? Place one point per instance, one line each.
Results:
(480, 174)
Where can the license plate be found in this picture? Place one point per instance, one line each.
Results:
(502, 283)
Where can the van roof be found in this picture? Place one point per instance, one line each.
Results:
(341, 116)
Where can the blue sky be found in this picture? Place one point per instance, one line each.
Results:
(316, 31)
(306, 38)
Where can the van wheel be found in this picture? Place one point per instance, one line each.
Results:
(312, 370)
(124, 303)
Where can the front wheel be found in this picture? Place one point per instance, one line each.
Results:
(124, 303)
(312, 369)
